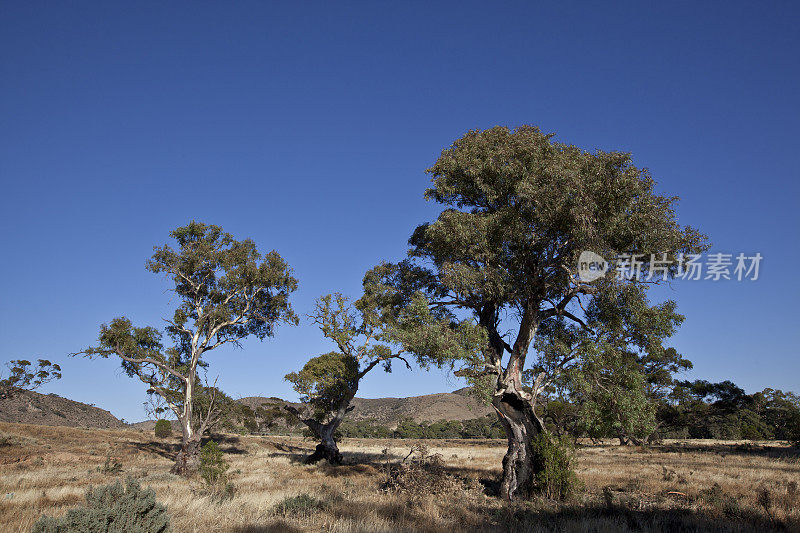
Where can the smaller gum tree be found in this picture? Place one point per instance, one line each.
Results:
(366, 336)
(226, 291)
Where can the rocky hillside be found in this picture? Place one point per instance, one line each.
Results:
(458, 405)
(51, 410)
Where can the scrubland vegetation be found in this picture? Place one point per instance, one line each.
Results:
(444, 485)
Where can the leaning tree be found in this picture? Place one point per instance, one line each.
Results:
(226, 291)
(520, 208)
(366, 336)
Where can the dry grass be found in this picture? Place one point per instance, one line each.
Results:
(673, 487)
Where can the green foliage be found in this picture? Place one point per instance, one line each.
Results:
(213, 466)
(163, 429)
(562, 417)
(230, 279)
(518, 210)
(780, 411)
(363, 429)
(368, 333)
(793, 435)
(112, 509)
(112, 465)
(300, 505)
(700, 409)
(610, 390)
(214, 473)
(616, 370)
(326, 381)
(555, 477)
(23, 375)
(487, 427)
(227, 414)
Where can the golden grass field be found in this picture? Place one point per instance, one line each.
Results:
(678, 486)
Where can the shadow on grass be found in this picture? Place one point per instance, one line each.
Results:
(530, 517)
(169, 450)
(278, 527)
(617, 518)
(162, 449)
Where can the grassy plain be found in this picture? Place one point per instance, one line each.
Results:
(677, 486)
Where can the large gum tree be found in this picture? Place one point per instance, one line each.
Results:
(519, 210)
(225, 291)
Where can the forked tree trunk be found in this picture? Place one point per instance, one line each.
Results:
(514, 407)
(522, 426)
(327, 448)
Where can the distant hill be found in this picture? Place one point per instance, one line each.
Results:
(457, 405)
(29, 407)
(52, 410)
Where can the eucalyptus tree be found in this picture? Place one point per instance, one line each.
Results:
(367, 337)
(24, 375)
(225, 291)
(621, 385)
(520, 208)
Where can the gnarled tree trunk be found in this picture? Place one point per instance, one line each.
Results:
(514, 407)
(522, 426)
(327, 448)
(188, 459)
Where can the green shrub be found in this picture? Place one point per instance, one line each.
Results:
(553, 466)
(214, 471)
(111, 466)
(163, 429)
(112, 509)
(213, 466)
(302, 504)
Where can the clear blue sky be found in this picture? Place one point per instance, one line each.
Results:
(308, 126)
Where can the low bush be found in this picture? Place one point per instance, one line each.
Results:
(112, 509)
(214, 472)
(421, 473)
(302, 504)
(112, 465)
(163, 429)
(554, 475)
